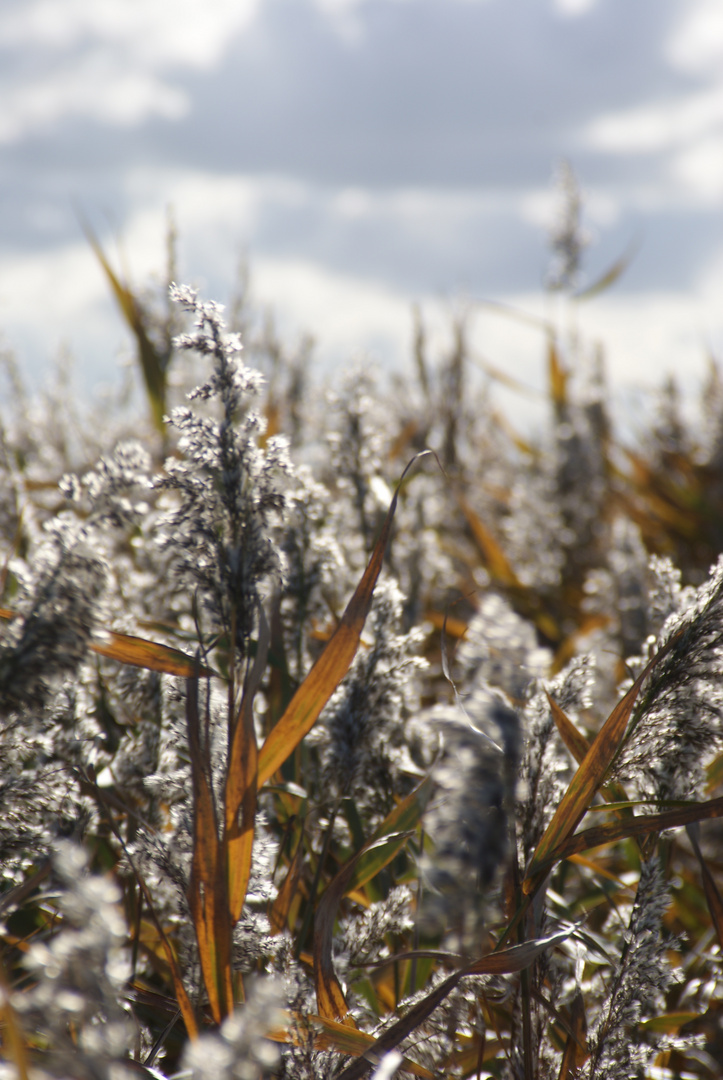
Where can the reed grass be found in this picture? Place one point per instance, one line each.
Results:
(325, 756)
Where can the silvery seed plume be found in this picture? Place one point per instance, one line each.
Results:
(52, 638)
(469, 818)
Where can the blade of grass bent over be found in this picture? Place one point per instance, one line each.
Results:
(353, 1042)
(139, 652)
(589, 777)
(304, 708)
(637, 826)
(505, 962)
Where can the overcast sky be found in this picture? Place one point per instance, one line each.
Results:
(364, 154)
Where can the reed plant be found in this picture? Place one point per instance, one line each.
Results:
(350, 734)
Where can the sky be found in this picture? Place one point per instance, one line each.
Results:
(365, 155)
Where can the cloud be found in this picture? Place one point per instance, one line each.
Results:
(402, 148)
(109, 61)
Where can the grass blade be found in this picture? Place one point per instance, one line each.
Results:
(354, 1042)
(241, 783)
(150, 655)
(208, 898)
(589, 777)
(331, 667)
(637, 826)
(712, 895)
(152, 367)
(377, 853)
(139, 652)
(505, 962)
(576, 1045)
(279, 910)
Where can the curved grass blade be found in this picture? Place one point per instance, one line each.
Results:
(505, 962)
(354, 1042)
(152, 366)
(589, 777)
(150, 655)
(637, 826)
(610, 276)
(331, 667)
(377, 853)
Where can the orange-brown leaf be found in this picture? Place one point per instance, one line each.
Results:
(279, 910)
(576, 1046)
(636, 826)
(352, 1041)
(504, 962)
(241, 783)
(557, 374)
(139, 652)
(208, 896)
(589, 777)
(333, 664)
(491, 551)
(149, 654)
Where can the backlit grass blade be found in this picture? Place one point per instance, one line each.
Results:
(139, 652)
(573, 739)
(333, 664)
(589, 776)
(557, 374)
(354, 1042)
(578, 746)
(637, 826)
(491, 551)
(13, 1038)
(377, 853)
(241, 785)
(610, 276)
(148, 654)
(279, 910)
(575, 1052)
(152, 368)
(207, 894)
(502, 571)
(505, 962)
(712, 895)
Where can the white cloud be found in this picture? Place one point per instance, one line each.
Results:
(686, 127)
(572, 8)
(108, 60)
(695, 44)
(155, 32)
